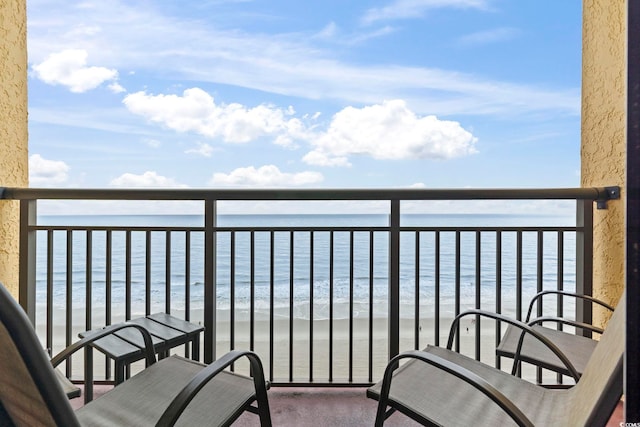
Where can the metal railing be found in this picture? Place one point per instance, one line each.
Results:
(322, 304)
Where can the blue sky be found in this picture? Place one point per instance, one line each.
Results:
(304, 94)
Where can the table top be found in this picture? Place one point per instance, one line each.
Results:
(166, 332)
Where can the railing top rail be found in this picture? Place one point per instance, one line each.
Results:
(309, 228)
(600, 194)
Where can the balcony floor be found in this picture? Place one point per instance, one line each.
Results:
(329, 407)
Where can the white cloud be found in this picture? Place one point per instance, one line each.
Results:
(488, 36)
(320, 158)
(332, 33)
(406, 9)
(116, 88)
(153, 143)
(265, 176)
(69, 68)
(283, 64)
(196, 111)
(328, 32)
(203, 149)
(43, 172)
(389, 131)
(149, 179)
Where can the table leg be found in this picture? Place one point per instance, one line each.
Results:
(195, 348)
(119, 377)
(88, 374)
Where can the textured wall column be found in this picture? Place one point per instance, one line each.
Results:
(603, 151)
(13, 130)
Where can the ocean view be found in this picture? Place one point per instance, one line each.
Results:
(304, 280)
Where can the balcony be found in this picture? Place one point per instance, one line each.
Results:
(324, 299)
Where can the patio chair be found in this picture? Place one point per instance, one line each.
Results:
(70, 389)
(522, 347)
(172, 391)
(438, 386)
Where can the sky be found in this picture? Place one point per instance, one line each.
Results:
(304, 94)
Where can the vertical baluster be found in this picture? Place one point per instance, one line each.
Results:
(560, 287)
(331, 276)
(437, 287)
(478, 296)
(540, 284)
(457, 287)
(560, 278)
(519, 284)
(272, 271)
(539, 268)
(291, 283)
(232, 292)
(108, 270)
(498, 296)
(416, 326)
(69, 284)
(519, 275)
(351, 264)
(252, 290)
(311, 276)
(371, 277)
(167, 274)
(49, 322)
(147, 274)
(127, 280)
(187, 275)
(88, 279)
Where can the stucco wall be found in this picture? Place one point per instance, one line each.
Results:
(13, 130)
(603, 149)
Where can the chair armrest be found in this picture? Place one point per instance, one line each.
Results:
(582, 325)
(539, 296)
(178, 405)
(458, 371)
(526, 329)
(150, 356)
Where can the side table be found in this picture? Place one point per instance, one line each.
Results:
(127, 346)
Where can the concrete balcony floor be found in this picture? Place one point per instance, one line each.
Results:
(326, 407)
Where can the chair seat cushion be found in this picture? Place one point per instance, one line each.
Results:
(142, 399)
(435, 395)
(577, 348)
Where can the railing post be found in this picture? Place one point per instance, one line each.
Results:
(27, 269)
(210, 223)
(394, 279)
(584, 260)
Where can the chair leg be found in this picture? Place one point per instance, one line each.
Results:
(262, 400)
(383, 401)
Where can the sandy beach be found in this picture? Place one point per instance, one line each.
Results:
(307, 359)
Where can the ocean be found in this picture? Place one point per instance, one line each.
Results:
(298, 273)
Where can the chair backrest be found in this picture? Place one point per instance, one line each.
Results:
(29, 391)
(600, 387)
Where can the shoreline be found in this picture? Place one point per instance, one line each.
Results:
(310, 358)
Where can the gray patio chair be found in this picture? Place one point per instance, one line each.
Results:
(522, 347)
(70, 389)
(438, 386)
(172, 391)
